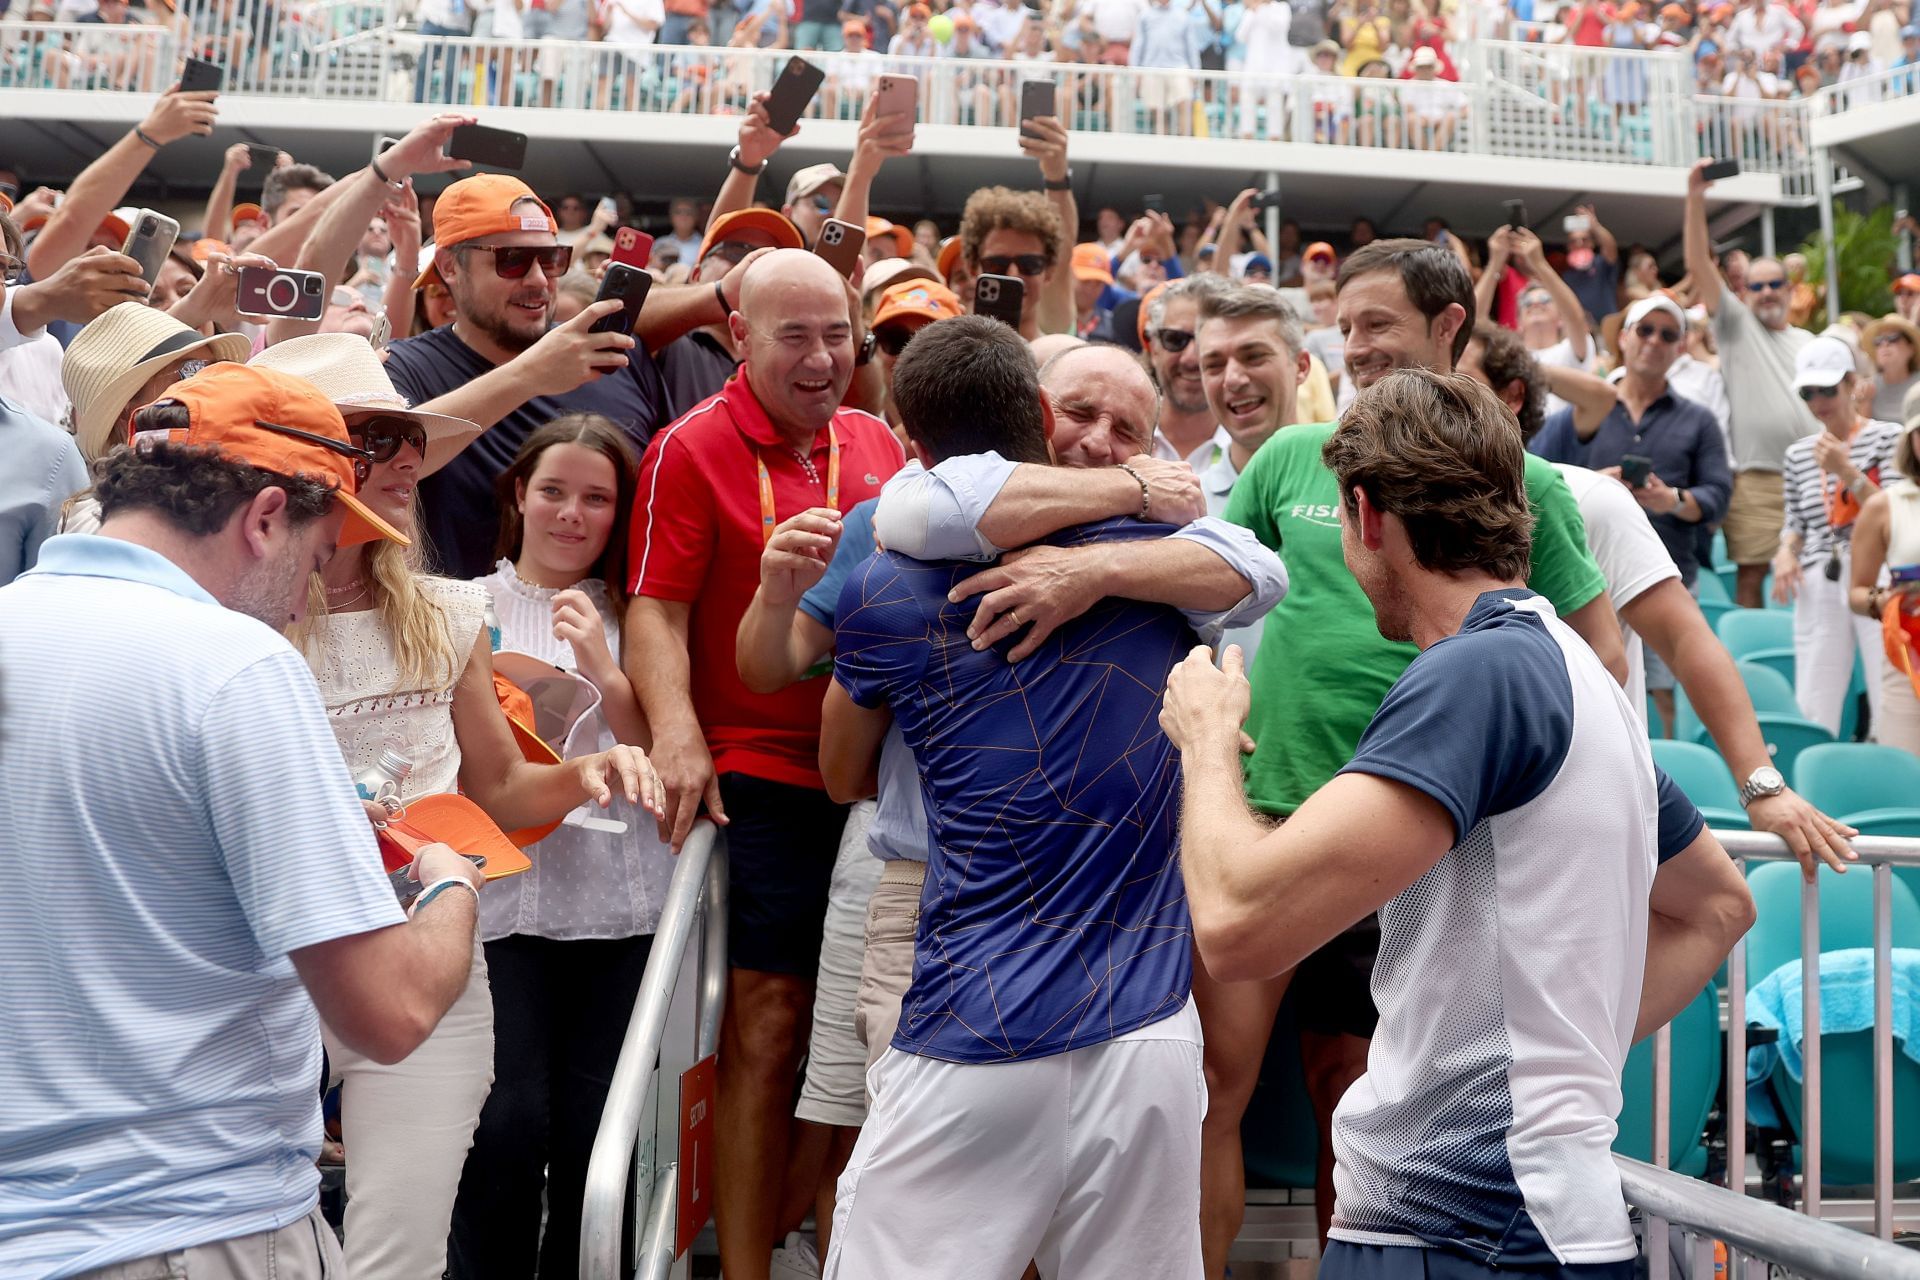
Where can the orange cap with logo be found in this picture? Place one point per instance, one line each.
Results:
(917, 300)
(278, 423)
(483, 206)
(1090, 262)
(771, 223)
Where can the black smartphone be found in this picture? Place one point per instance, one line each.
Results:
(149, 241)
(1036, 99)
(792, 92)
(496, 148)
(629, 285)
(1721, 169)
(1000, 298)
(1516, 212)
(1634, 470)
(199, 75)
(1154, 202)
(260, 155)
(1267, 199)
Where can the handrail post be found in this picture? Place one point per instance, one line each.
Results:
(1810, 1046)
(1737, 1056)
(1883, 1051)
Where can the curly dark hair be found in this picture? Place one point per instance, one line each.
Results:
(1505, 360)
(1441, 453)
(295, 177)
(195, 488)
(1002, 208)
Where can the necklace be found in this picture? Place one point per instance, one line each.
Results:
(358, 584)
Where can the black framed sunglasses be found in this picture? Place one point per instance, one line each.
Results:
(362, 458)
(1648, 332)
(894, 339)
(1003, 264)
(1172, 341)
(1810, 394)
(382, 437)
(511, 262)
(731, 250)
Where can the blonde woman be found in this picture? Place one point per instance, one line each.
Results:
(405, 667)
(1886, 542)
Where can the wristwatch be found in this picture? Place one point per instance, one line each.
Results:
(1679, 501)
(1065, 184)
(733, 158)
(1761, 783)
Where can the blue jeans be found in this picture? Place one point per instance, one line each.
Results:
(674, 29)
(818, 35)
(434, 56)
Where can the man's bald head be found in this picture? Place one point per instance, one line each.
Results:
(1104, 404)
(1048, 345)
(795, 331)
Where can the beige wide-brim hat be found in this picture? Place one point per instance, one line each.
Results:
(347, 370)
(113, 356)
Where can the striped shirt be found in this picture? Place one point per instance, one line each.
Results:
(1808, 488)
(180, 820)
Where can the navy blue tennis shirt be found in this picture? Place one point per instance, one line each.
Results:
(1054, 916)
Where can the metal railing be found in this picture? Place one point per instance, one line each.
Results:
(1719, 1214)
(679, 1006)
(1751, 1231)
(131, 58)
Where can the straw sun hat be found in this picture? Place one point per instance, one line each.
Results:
(347, 371)
(112, 358)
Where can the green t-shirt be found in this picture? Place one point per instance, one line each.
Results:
(1323, 669)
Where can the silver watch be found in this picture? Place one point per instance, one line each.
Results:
(1762, 782)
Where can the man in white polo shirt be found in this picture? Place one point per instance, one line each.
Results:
(188, 873)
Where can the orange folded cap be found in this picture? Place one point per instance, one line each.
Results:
(458, 823)
(533, 748)
(278, 423)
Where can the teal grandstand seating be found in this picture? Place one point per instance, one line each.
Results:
(1278, 1136)
(1745, 630)
(1695, 1081)
(1873, 788)
(1704, 777)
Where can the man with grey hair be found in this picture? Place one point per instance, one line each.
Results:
(1186, 423)
(1757, 350)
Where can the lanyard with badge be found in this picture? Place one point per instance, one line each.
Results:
(767, 516)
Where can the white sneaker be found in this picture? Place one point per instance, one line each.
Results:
(797, 1260)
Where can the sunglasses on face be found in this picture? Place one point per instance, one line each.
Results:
(731, 250)
(1765, 286)
(893, 339)
(1648, 332)
(511, 262)
(1172, 341)
(1810, 394)
(1888, 339)
(1004, 264)
(382, 437)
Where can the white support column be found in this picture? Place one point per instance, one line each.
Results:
(1767, 249)
(1823, 192)
(1273, 218)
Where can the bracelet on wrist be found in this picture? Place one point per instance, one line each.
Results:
(142, 134)
(439, 887)
(720, 296)
(1146, 494)
(752, 171)
(381, 174)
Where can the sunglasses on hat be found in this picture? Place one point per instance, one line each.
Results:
(511, 262)
(363, 459)
(1172, 341)
(1027, 264)
(382, 437)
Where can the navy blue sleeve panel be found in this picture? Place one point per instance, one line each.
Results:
(883, 638)
(1481, 721)
(1680, 822)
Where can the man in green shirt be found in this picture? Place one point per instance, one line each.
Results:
(1320, 674)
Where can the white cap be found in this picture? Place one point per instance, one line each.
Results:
(1651, 303)
(1424, 56)
(1822, 363)
(1859, 40)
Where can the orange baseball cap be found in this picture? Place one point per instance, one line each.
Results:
(278, 423)
(483, 206)
(533, 748)
(1146, 304)
(247, 213)
(451, 819)
(1319, 249)
(114, 226)
(1909, 283)
(917, 300)
(852, 25)
(949, 257)
(773, 224)
(1090, 262)
(206, 246)
(902, 238)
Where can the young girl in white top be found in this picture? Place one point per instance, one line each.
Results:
(567, 942)
(404, 665)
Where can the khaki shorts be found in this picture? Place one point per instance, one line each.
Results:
(303, 1250)
(893, 917)
(1755, 515)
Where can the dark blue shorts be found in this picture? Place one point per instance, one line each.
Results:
(1343, 1261)
(781, 844)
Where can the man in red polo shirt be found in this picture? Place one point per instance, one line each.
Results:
(773, 443)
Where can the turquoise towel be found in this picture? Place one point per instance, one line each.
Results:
(1846, 1004)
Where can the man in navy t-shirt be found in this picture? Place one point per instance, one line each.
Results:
(1503, 815)
(1049, 1025)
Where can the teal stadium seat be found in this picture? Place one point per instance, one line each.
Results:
(1873, 788)
(1715, 603)
(1745, 630)
(1787, 732)
(1700, 773)
(1279, 1140)
(1846, 1093)
(1697, 1058)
